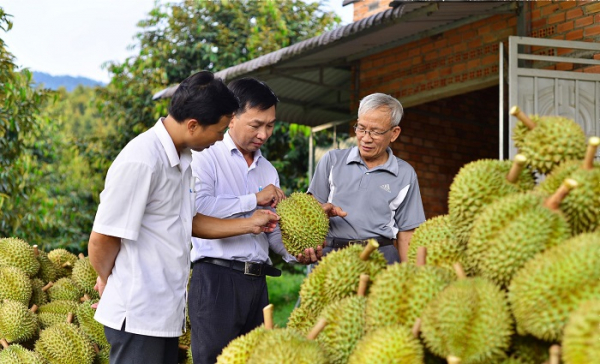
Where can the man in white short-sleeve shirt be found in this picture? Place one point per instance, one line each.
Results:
(140, 241)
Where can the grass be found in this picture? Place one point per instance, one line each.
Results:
(283, 294)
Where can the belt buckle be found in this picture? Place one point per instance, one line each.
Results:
(362, 242)
(252, 269)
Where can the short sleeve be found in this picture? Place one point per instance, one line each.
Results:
(123, 200)
(319, 185)
(410, 213)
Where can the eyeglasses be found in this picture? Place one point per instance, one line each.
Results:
(374, 134)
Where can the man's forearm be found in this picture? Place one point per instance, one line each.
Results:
(208, 227)
(403, 243)
(102, 252)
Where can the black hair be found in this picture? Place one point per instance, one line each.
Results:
(253, 93)
(204, 98)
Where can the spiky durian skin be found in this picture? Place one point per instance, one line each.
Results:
(400, 293)
(17, 323)
(393, 344)
(553, 283)
(509, 232)
(582, 204)
(92, 328)
(239, 349)
(301, 320)
(65, 343)
(556, 178)
(103, 356)
(581, 341)
(283, 346)
(476, 185)
(14, 285)
(84, 275)
(345, 327)
(555, 139)
(16, 354)
(64, 261)
(48, 270)
(17, 253)
(437, 236)
(312, 295)
(303, 222)
(518, 133)
(65, 289)
(55, 312)
(38, 296)
(469, 319)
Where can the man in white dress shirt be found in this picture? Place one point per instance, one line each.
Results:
(139, 245)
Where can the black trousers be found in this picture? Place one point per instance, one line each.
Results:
(223, 304)
(128, 348)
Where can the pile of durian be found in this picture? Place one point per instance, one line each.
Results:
(511, 275)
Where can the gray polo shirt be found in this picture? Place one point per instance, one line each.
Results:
(380, 202)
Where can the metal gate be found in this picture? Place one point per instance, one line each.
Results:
(538, 85)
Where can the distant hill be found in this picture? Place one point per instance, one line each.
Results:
(68, 82)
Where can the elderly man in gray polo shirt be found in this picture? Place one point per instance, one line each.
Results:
(378, 190)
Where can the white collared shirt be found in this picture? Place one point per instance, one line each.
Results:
(226, 187)
(148, 202)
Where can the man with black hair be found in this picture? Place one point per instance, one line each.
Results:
(139, 244)
(228, 289)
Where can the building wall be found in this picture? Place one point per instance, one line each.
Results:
(440, 136)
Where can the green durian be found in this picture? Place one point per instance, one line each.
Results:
(56, 311)
(509, 232)
(65, 343)
(38, 294)
(16, 354)
(553, 284)
(14, 285)
(103, 356)
(478, 184)
(303, 222)
(65, 289)
(17, 253)
(469, 319)
(64, 261)
(301, 320)
(581, 341)
(48, 271)
(239, 350)
(92, 328)
(17, 323)
(84, 276)
(443, 250)
(284, 346)
(394, 344)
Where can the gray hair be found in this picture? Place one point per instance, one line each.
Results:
(378, 100)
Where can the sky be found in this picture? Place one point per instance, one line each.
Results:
(75, 37)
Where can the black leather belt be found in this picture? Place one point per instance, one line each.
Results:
(248, 268)
(338, 243)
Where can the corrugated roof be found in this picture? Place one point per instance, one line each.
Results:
(313, 78)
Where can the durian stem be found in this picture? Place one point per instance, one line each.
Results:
(588, 161)
(416, 329)
(96, 348)
(519, 114)
(371, 246)
(453, 359)
(33, 308)
(555, 354)
(553, 202)
(4, 343)
(85, 297)
(421, 256)
(460, 272)
(516, 168)
(362, 285)
(47, 287)
(81, 256)
(70, 317)
(268, 316)
(316, 330)
(66, 264)
(183, 347)
(36, 251)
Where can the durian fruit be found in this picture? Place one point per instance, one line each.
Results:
(513, 229)
(469, 319)
(581, 341)
(38, 293)
(17, 323)
(92, 328)
(400, 293)
(65, 289)
(65, 343)
(345, 324)
(48, 271)
(443, 250)
(16, 354)
(63, 260)
(394, 344)
(550, 140)
(14, 284)
(103, 356)
(17, 253)
(338, 275)
(553, 284)
(478, 184)
(303, 222)
(55, 312)
(84, 276)
(301, 319)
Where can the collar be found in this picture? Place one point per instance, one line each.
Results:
(169, 147)
(390, 165)
(230, 144)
